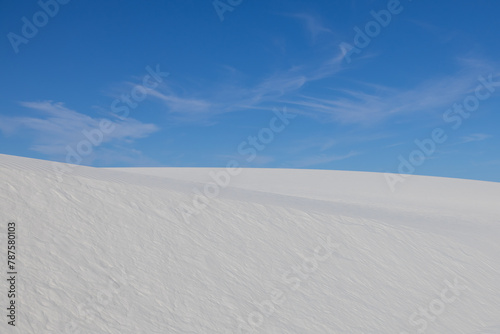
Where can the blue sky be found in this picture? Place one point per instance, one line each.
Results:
(226, 78)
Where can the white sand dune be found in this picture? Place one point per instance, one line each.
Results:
(276, 251)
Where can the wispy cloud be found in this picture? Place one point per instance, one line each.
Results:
(319, 159)
(313, 143)
(395, 144)
(355, 102)
(313, 24)
(122, 154)
(435, 31)
(224, 97)
(474, 137)
(59, 126)
(372, 103)
(259, 161)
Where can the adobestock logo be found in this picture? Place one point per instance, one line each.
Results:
(292, 281)
(372, 29)
(437, 306)
(225, 6)
(248, 150)
(455, 116)
(29, 29)
(121, 108)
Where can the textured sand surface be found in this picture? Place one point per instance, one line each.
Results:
(276, 251)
